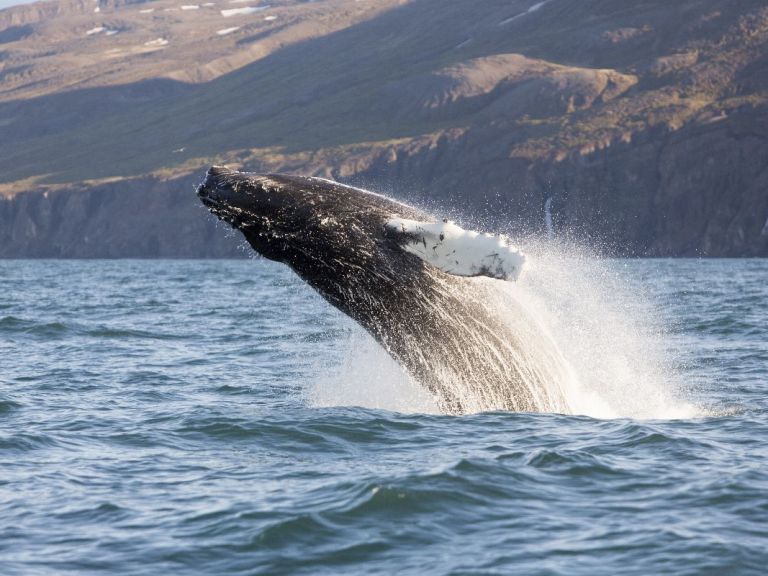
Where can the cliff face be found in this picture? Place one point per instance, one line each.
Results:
(639, 129)
(143, 218)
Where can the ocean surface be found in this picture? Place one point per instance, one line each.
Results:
(218, 417)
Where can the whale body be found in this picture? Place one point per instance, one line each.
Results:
(424, 288)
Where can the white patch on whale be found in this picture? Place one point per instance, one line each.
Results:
(461, 252)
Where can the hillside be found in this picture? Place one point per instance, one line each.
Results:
(641, 126)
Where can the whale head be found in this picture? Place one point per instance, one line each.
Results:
(304, 222)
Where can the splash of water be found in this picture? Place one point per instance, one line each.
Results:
(605, 342)
(612, 337)
(366, 375)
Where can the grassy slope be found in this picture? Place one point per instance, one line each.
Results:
(340, 89)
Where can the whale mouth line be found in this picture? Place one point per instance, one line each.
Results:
(226, 212)
(209, 202)
(236, 217)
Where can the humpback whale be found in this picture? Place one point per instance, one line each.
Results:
(424, 288)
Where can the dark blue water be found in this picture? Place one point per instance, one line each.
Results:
(162, 418)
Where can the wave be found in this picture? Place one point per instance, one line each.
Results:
(58, 329)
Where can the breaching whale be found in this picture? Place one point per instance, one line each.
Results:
(423, 288)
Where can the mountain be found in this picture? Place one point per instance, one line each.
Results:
(638, 127)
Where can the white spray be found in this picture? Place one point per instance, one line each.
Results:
(612, 337)
(603, 332)
(548, 218)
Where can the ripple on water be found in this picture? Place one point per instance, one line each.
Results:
(14, 325)
(286, 436)
(21, 443)
(105, 512)
(124, 333)
(7, 406)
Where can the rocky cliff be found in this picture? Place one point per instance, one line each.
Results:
(639, 129)
(142, 218)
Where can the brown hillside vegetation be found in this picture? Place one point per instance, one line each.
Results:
(644, 122)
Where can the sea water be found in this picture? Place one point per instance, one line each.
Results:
(218, 417)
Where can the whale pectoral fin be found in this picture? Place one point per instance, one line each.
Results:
(457, 251)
